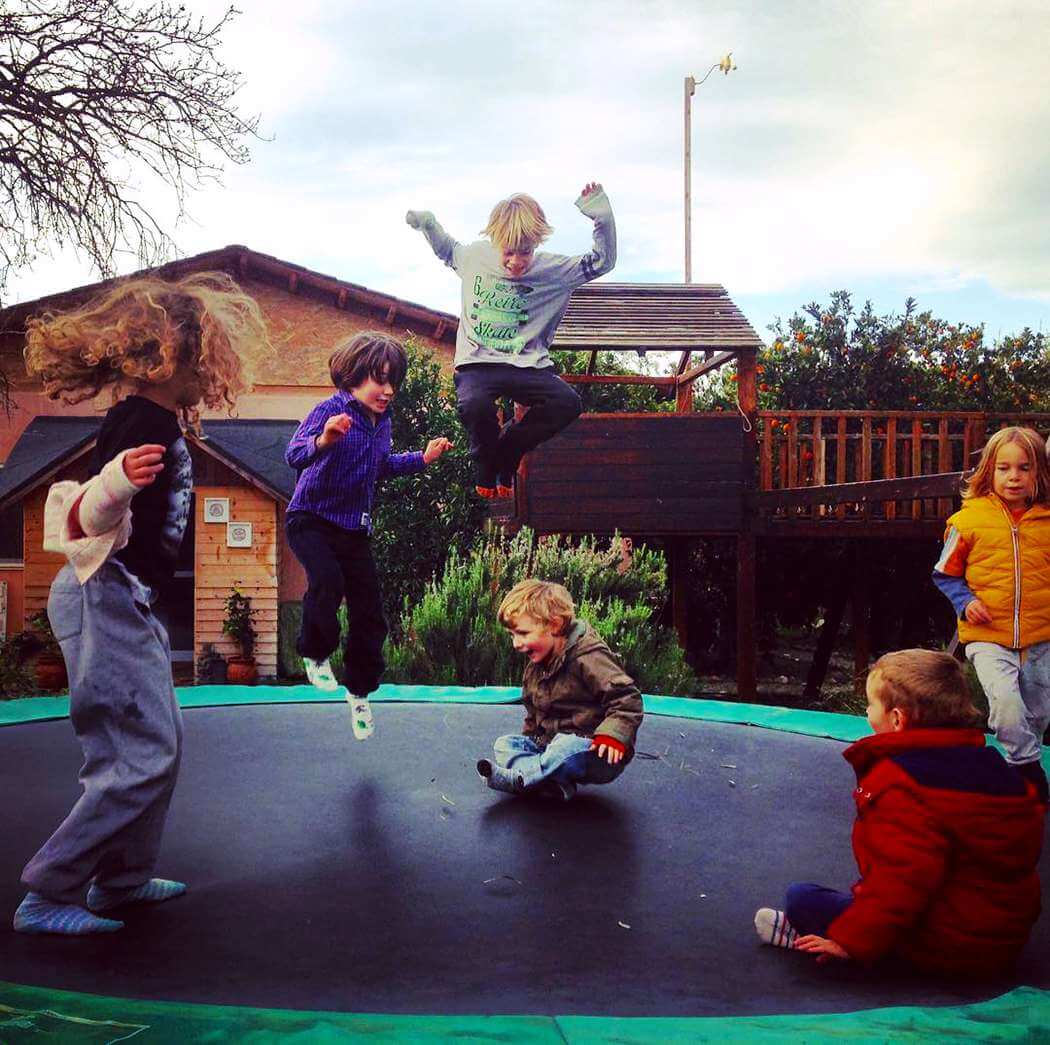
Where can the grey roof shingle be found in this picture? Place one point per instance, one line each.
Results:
(256, 447)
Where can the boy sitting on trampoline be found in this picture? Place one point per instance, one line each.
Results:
(582, 710)
(512, 302)
(947, 837)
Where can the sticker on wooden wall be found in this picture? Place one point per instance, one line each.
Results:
(216, 509)
(239, 535)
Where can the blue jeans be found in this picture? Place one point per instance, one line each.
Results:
(567, 759)
(812, 908)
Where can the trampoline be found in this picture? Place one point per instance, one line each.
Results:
(380, 889)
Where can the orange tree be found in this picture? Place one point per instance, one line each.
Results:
(833, 356)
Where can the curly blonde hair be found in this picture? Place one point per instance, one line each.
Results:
(980, 483)
(140, 331)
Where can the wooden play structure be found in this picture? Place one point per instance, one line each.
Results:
(747, 473)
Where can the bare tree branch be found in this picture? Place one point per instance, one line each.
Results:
(90, 90)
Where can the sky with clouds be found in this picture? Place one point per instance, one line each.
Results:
(892, 149)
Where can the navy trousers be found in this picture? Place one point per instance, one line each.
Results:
(497, 452)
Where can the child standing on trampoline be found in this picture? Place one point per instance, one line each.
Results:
(512, 302)
(171, 346)
(582, 710)
(341, 450)
(995, 570)
(947, 837)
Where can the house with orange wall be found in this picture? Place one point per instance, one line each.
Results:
(241, 484)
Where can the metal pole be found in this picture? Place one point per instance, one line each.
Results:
(690, 86)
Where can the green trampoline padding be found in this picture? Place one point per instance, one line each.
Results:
(790, 720)
(31, 1014)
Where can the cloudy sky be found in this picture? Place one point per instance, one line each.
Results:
(893, 149)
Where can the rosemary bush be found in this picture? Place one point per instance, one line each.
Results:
(452, 636)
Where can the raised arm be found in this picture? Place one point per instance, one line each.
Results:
(302, 447)
(443, 245)
(595, 205)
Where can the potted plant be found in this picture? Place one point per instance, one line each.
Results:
(238, 624)
(49, 666)
(211, 665)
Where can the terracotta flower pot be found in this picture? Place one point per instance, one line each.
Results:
(51, 673)
(241, 671)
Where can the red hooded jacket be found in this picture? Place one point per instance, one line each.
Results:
(947, 840)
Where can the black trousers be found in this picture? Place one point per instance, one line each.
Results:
(497, 453)
(339, 565)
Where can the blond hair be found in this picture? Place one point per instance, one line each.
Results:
(980, 483)
(141, 330)
(370, 353)
(517, 223)
(928, 686)
(544, 601)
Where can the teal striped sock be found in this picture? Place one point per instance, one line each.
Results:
(37, 915)
(156, 890)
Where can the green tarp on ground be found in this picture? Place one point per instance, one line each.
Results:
(30, 1014)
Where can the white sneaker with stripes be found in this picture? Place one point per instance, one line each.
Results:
(774, 928)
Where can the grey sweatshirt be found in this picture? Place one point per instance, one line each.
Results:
(505, 320)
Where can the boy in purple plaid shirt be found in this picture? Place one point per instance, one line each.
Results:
(340, 450)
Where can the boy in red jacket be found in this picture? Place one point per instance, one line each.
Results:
(947, 837)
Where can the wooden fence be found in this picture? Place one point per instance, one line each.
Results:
(814, 448)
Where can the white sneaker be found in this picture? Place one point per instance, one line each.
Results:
(360, 716)
(774, 929)
(320, 674)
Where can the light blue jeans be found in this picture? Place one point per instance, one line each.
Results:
(1017, 685)
(567, 759)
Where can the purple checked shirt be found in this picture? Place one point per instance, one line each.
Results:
(339, 482)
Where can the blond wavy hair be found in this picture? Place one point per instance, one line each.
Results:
(140, 331)
(980, 483)
(544, 601)
(517, 223)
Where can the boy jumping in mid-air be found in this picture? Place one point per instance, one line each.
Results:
(582, 710)
(513, 299)
(341, 450)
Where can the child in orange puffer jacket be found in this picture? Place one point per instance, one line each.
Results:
(995, 570)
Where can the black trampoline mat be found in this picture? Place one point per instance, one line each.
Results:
(385, 877)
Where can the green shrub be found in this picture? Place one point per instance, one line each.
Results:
(452, 636)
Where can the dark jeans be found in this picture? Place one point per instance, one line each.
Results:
(552, 406)
(812, 908)
(339, 564)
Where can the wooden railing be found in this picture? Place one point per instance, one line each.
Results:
(813, 448)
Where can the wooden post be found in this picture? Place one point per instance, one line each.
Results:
(684, 398)
(679, 556)
(829, 631)
(746, 588)
(861, 620)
